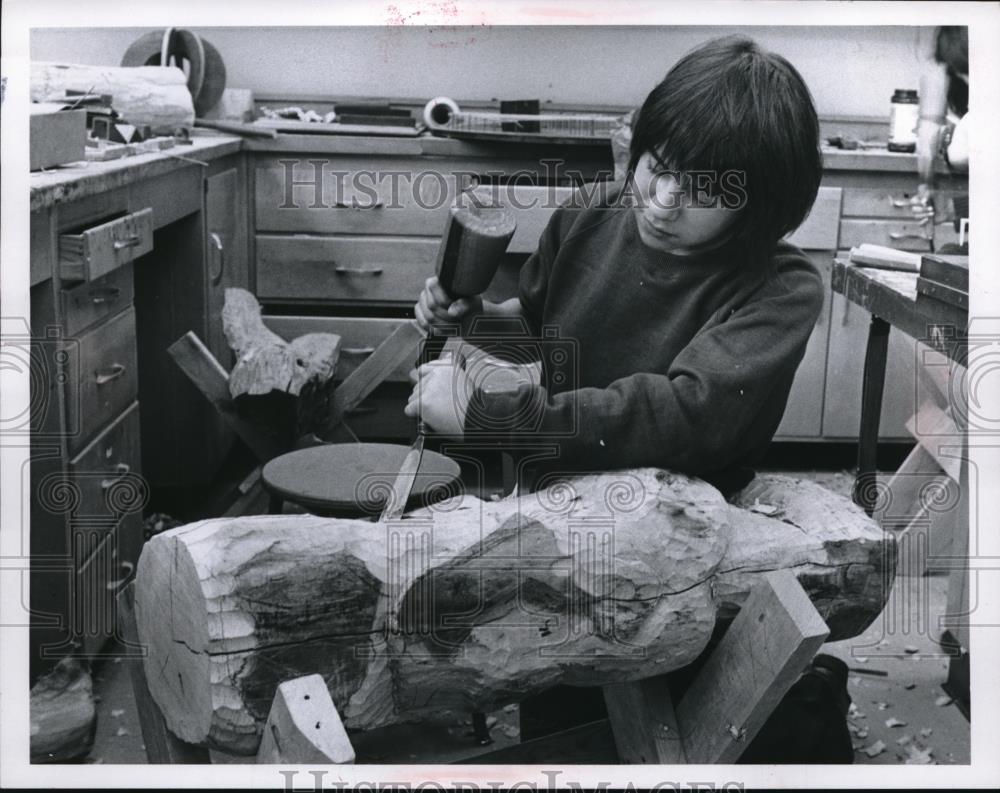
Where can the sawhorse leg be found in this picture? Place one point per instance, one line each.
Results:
(776, 634)
(872, 387)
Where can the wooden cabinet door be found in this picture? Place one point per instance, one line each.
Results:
(226, 256)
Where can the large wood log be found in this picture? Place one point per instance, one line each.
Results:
(472, 604)
(153, 95)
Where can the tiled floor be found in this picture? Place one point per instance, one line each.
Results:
(900, 644)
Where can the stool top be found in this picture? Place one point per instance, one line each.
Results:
(356, 478)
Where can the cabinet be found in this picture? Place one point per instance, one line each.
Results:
(116, 277)
(87, 492)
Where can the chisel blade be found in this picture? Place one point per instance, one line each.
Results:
(395, 505)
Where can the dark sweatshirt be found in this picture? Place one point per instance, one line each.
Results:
(681, 362)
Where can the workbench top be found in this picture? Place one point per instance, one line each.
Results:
(74, 181)
(79, 180)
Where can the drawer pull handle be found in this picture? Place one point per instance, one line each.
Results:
(357, 351)
(220, 249)
(127, 568)
(908, 235)
(121, 470)
(107, 294)
(356, 205)
(128, 242)
(113, 372)
(373, 271)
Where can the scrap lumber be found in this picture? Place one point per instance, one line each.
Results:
(285, 385)
(63, 714)
(304, 726)
(470, 605)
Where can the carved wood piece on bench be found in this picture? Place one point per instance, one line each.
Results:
(287, 386)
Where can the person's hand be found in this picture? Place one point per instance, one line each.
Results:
(435, 306)
(922, 204)
(440, 397)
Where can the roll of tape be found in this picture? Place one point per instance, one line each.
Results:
(438, 112)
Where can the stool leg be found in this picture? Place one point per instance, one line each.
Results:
(275, 504)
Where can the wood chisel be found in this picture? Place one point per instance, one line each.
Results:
(471, 249)
(402, 486)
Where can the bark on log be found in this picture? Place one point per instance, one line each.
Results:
(471, 604)
(63, 714)
(153, 95)
(288, 386)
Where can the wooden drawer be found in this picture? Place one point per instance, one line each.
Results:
(370, 269)
(105, 475)
(904, 235)
(109, 564)
(359, 339)
(88, 303)
(171, 196)
(354, 196)
(102, 379)
(89, 254)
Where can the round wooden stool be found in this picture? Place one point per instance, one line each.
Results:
(352, 480)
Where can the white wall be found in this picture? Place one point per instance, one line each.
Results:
(850, 70)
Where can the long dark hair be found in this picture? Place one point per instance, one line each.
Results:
(731, 106)
(952, 50)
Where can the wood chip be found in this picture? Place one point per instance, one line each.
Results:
(943, 700)
(121, 732)
(117, 713)
(910, 686)
(917, 756)
(764, 509)
(875, 749)
(926, 732)
(510, 731)
(911, 649)
(904, 740)
(854, 713)
(894, 722)
(881, 705)
(861, 659)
